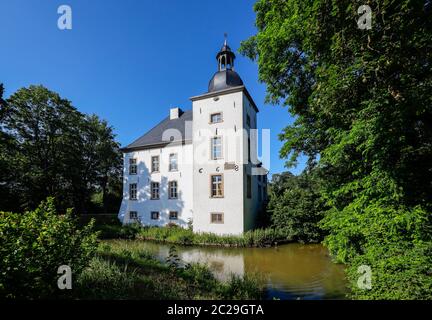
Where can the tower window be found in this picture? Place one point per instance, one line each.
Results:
(133, 191)
(248, 120)
(155, 163)
(216, 186)
(173, 189)
(216, 148)
(132, 166)
(216, 218)
(155, 190)
(216, 117)
(173, 162)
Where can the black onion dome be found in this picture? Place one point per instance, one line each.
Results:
(224, 79)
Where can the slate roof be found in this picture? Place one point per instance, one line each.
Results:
(154, 136)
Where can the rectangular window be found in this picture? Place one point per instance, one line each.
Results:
(216, 148)
(216, 117)
(216, 186)
(249, 186)
(132, 166)
(173, 162)
(154, 215)
(173, 215)
(259, 193)
(155, 163)
(133, 191)
(216, 218)
(133, 215)
(155, 190)
(172, 185)
(248, 120)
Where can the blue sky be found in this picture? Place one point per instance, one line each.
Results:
(130, 61)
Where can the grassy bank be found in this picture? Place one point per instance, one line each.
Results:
(177, 235)
(121, 270)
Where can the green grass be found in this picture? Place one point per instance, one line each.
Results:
(121, 270)
(176, 235)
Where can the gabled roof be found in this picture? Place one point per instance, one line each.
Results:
(154, 137)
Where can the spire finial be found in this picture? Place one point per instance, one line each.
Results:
(225, 36)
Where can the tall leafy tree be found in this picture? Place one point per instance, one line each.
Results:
(362, 104)
(296, 206)
(60, 151)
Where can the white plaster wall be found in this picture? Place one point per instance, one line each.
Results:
(231, 205)
(144, 205)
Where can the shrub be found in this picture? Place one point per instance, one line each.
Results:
(35, 244)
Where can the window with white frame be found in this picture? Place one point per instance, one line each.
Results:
(216, 148)
(132, 166)
(155, 163)
(154, 190)
(133, 215)
(133, 191)
(173, 166)
(172, 186)
(216, 217)
(216, 186)
(173, 215)
(216, 117)
(154, 215)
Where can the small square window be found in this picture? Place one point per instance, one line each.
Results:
(216, 218)
(133, 191)
(173, 215)
(216, 117)
(133, 215)
(155, 163)
(154, 215)
(132, 166)
(154, 190)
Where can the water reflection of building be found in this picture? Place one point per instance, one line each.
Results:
(221, 263)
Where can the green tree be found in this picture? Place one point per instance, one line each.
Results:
(296, 206)
(363, 114)
(60, 152)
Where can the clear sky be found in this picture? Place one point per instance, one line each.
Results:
(130, 61)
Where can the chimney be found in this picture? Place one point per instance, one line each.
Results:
(175, 113)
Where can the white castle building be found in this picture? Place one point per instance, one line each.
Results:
(199, 167)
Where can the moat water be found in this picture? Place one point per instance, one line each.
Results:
(290, 271)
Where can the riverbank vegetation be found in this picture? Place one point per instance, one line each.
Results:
(176, 235)
(362, 109)
(36, 243)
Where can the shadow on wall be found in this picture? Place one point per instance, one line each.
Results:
(143, 204)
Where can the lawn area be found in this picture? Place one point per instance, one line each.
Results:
(120, 270)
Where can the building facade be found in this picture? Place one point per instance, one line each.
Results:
(199, 168)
